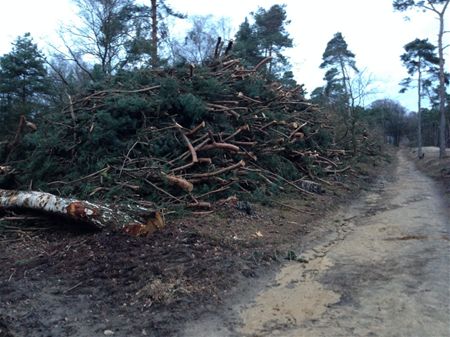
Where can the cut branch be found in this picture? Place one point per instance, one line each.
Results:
(194, 130)
(222, 146)
(263, 62)
(200, 160)
(239, 130)
(180, 182)
(189, 145)
(223, 170)
(200, 204)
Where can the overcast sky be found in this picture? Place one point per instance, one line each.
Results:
(373, 31)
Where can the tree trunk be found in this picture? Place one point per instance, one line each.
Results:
(419, 114)
(442, 140)
(154, 47)
(345, 81)
(96, 216)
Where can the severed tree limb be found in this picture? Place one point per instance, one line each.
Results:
(229, 64)
(179, 181)
(244, 143)
(337, 171)
(263, 62)
(220, 189)
(241, 95)
(190, 147)
(297, 129)
(103, 170)
(161, 190)
(238, 131)
(223, 146)
(217, 107)
(197, 147)
(96, 216)
(194, 130)
(200, 204)
(223, 170)
(290, 183)
(328, 161)
(186, 166)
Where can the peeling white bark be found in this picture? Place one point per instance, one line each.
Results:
(97, 216)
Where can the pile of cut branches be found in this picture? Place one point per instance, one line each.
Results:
(188, 136)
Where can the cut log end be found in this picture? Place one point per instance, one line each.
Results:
(154, 223)
(79, 210)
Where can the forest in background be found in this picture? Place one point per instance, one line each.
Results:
(126, 111)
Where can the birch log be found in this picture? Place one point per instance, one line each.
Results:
(96, 216)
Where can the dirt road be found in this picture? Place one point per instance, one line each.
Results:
(383, 270)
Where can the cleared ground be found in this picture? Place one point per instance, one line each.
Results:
(384, 270)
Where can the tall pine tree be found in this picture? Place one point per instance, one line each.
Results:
(338, 60)
(340, 66)
(23, 82)
(438, 8)
(270, 28)
(266, 37)
(246, 44)
(419, 59)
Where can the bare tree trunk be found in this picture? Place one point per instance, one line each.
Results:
(419, 115)
(344, 85)
(96, 216)
(442, 140)
(154, 49)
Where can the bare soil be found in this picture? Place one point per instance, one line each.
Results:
(380, 270)
(59, 283)
(433, 167)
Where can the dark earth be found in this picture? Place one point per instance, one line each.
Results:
(60, 283)
(56, 282)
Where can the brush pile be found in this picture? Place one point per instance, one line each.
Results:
(189, 136)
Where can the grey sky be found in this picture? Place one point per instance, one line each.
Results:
(373, 31)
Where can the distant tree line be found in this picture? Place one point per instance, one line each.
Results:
(346, 88)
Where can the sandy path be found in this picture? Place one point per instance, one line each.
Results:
(384, 270)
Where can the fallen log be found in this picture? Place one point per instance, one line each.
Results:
(96, 216)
